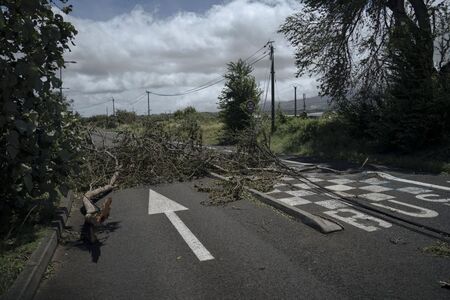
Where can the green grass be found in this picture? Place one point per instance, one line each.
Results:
(211, 131)
(15, 252)
(329, 138)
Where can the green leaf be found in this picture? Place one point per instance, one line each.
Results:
(28, 180)
(13, 144)
(64, 189)
(21, 125)
(2, 20)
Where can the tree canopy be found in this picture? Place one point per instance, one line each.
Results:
(382, 62)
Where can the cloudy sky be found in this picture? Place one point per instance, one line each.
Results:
(124, 48)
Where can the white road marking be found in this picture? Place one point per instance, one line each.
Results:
(423, 212)
(158, 203)
(376, 196)
(413, 190)
(294, 201)
(375, 188)
(356, 215)
(196, 246)
(341, 181)
(426, 197)
(390, 177)
(300, 193)
(331, 204)
(302, 186)
(314, 179)
(374, 181)
(339, 187)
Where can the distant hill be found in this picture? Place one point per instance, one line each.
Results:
(313, 104)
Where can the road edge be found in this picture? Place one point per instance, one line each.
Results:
(27, 283)
(323, 225)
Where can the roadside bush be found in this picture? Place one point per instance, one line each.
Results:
(39, 150)
(39, 137)
(327, 136)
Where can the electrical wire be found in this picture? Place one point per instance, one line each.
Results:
(218, 79)
(267, 88)
(136, 100)
(93, 105)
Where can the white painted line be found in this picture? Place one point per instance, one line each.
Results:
(375, 188)
(158, 204)
(413, 190)
(294, 201)
(429, 185)
(339, 187)
(435, 198)
(331, 204)
(376, 196)
(423, 212)
(300, 193)
(341, 181)
(196, 246)
(355, 216)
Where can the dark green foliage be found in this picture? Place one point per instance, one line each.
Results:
(39, 137)
(240, 87)
(179, 114)
(280, 117)
(375, 59)
(125, 117)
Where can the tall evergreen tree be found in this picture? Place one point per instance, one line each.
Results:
(240, 87)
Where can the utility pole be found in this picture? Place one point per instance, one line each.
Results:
(148, 103)
(272, 72)
(295, 101)
(114, 108)
(107, 114)
(304, 103)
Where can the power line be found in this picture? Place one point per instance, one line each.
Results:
(218, 79)
(266, 88)
(205, 86)
(137, 99)
(93, 105)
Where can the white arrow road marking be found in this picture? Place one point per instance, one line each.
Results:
(158, 204)
(390, 177)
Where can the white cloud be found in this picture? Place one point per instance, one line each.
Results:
(130, 53)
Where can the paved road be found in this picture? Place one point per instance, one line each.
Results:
(420, 199)
(257, 253)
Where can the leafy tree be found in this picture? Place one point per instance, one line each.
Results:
(383, 62)
(240, 87)
(125, 117)
(179, 114)
(39, 137)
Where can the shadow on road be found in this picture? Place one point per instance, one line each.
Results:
(83, 241)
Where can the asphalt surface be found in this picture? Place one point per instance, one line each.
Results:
(258, 252)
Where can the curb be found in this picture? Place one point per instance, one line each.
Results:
(316, 222)
(26, 284)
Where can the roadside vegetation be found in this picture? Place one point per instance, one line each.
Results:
(393, 107)
(40, 137)
(438, 249)
(331, 137)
